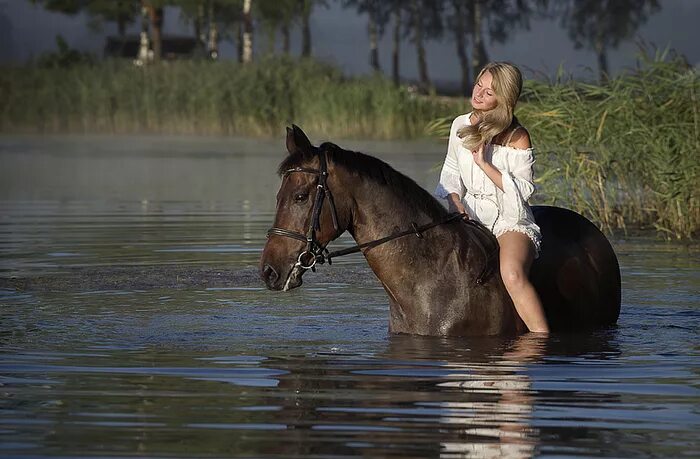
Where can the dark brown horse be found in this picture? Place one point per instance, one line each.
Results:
(439, 272)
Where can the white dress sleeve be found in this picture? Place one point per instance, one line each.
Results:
(518, 186)
(450, 179)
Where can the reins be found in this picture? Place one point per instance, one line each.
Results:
(415, 229)
(315, 253)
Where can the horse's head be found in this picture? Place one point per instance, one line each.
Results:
(308, 216)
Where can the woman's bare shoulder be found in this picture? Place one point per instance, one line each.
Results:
(520, 139)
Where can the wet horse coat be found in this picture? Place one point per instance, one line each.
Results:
(445, 282)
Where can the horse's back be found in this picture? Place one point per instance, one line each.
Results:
(577, 274)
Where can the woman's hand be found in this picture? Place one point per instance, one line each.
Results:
(489, 169)
(454, 205)
(478, 156)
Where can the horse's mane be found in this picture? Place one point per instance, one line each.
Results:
(370, 168)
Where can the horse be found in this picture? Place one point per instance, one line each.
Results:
(439, 270)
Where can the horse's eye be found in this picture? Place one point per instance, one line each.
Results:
(301, 197)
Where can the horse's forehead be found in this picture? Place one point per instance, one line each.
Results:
(298, 160)
(296, 178)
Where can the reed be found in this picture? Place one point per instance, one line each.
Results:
(198, 97)
(624, 154)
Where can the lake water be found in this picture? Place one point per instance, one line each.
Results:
(132, 323)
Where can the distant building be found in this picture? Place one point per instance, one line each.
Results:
(172, 46)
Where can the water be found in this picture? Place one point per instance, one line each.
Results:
(132, 323)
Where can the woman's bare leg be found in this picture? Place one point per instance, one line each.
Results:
(517, 253)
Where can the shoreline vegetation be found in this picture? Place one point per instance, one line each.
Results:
(212, 98)
(624, 154)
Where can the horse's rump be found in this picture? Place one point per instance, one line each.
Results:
(577, 274)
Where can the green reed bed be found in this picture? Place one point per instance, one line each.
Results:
(197, 97)
(624, 154)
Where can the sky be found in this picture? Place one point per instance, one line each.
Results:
(339, 36)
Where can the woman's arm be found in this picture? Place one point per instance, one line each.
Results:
(454, 203)
(521, 141)
(450, 186)
(488, 168)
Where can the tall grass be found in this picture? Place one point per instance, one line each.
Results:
(624, 154)
(197, 97)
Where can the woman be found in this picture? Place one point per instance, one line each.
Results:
(488, 175)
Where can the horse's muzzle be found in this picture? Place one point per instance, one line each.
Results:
(269, 275)
(284, 281)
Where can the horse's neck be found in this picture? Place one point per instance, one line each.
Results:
(433, 276)
(379, 212)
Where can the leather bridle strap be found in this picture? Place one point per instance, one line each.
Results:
(319, 254)
(415, 229)
(313, 247)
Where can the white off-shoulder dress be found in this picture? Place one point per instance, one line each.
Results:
(500, 211)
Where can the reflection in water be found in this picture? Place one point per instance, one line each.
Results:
(501, 428)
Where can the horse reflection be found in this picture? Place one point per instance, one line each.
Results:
(429, 397)
(488, 399)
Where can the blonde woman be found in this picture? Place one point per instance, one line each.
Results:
(488, 175)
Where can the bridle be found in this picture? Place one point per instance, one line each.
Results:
(315, 253)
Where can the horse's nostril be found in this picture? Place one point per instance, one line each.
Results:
(269, 274)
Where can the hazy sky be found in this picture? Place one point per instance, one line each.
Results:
(339, 35)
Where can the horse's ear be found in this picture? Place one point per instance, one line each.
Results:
(301, 140)
(297, 140)
(291, 147)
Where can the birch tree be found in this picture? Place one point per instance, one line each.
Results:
(247, 33)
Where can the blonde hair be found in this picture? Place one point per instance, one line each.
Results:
(506, 84)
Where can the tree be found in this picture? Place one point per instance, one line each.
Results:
(396, 8)
(602, 24)
(153, 9)
(246, 42)
(470, 21)
(306, 7)
(479, 55)
(213, 21)
(457, 24)
(195, 12)
(378, 13)
(424, 22)
(121, 12)
(278, 15)
(70, 7)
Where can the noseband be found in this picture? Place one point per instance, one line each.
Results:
(314, 251)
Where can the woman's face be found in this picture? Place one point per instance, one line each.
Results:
(483, 96)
